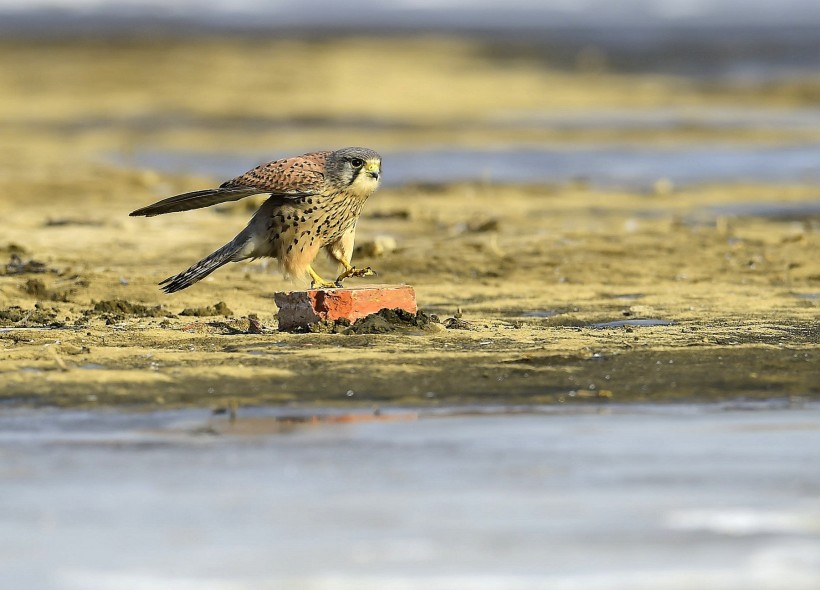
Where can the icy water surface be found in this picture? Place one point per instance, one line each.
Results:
(640, 497)
(618, 166)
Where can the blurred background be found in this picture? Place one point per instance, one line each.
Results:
(533, 91)
(622, 197)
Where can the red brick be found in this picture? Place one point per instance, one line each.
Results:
(299, 309)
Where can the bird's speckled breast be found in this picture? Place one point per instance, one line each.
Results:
(305, 223)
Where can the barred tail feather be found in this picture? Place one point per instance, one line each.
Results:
(230, 252)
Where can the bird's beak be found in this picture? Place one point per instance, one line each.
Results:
(373, 169)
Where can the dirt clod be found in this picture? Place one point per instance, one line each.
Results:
(36, 288)
(456, 323)
(39, 316)
(219, 308)
(120, 308)
(230, 327)
(386, 321)
(18, 266)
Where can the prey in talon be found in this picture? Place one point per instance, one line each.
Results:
(314, 204)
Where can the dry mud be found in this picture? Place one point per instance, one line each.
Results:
(544, 293)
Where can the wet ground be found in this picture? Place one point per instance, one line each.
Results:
(624, 497)
(582, 235)
(633, 167)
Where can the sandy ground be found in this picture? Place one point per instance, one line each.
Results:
(533, 269)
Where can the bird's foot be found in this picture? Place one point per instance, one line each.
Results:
(324, 285)
(355, 272)
(317, 282)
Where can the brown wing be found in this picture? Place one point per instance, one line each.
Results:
(291, 177)
(300, 175)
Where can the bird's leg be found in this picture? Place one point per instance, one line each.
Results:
(341, 251)
(352, 271)
(317, 282)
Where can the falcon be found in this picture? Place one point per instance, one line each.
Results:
(314, 204)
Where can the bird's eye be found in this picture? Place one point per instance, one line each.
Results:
(357, 162)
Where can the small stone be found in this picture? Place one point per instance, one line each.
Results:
(457, 323)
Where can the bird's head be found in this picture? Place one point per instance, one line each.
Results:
(356, 169)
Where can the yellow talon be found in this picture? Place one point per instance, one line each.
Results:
(317, 282)
(352, 271)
